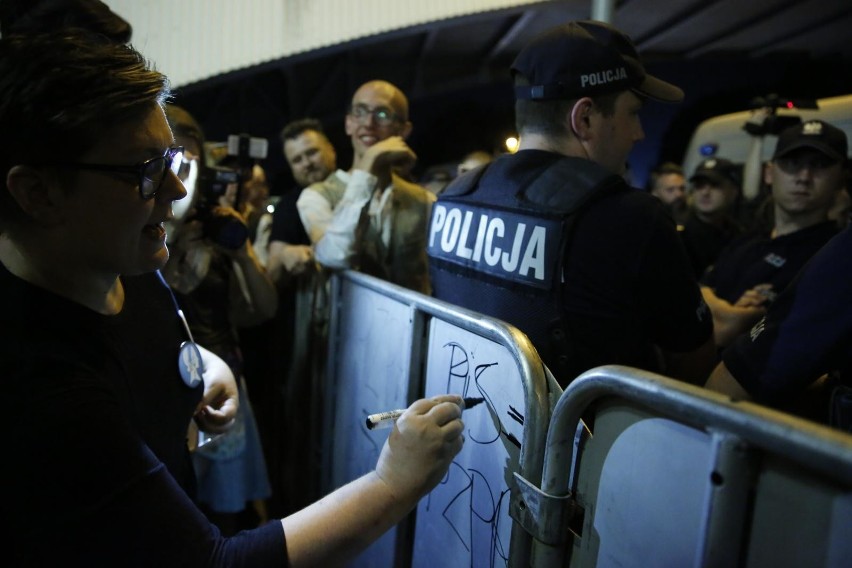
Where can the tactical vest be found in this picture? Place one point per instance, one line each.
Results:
(499, 249)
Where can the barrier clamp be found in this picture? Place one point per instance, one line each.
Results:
(546, 517)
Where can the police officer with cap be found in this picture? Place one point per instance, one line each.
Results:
(806, 173)
(552, 240)
(711, 226)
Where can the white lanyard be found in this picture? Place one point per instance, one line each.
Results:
(190, 364)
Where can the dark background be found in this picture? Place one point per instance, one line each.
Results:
(455, 72)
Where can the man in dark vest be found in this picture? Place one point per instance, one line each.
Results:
(552, 240)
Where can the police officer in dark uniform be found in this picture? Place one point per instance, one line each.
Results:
(710, 226)
(553, 240)
(806, 173)
(799, 357)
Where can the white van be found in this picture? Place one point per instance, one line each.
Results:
(723, 136)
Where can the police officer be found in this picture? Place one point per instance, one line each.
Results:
(799, 357)
(715, 188)
(806, 174)
(552, 240)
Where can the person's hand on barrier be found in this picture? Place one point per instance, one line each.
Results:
(218, 407)
(421, 447)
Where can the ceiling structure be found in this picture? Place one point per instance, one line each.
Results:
(455, 72)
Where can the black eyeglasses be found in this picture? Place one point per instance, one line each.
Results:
(382, 115)
(151, 173)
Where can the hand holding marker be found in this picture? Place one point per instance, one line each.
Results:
(388, 419)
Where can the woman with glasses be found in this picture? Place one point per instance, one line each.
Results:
(213, 405)
(87, 184)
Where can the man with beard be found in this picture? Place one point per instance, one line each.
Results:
(287, 342)
(667, 184)
(311, 158)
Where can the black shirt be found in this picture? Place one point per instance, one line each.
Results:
(286, 224)
(705, 241)
(87, 420)
(753, 260)
(806, 333)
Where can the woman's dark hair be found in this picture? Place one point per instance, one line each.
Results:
(52, 16)
(61, 92)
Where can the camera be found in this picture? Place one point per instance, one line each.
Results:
(774, 123)
(227, 231)
(213, 182)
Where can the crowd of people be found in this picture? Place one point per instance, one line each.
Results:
(165, 336)
(105, 376)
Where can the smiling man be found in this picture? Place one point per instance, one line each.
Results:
(552, 240)
(371, 218)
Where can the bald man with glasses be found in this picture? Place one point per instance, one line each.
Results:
(371, 218)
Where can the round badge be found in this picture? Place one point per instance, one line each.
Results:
(190, 364)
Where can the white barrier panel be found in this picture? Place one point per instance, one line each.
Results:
(371, 373)
(675, 475)
(672, 474)
(468, 513)
(389, 346)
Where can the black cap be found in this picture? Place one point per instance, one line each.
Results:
(815, 134)
(719, 171)
(586, 58)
